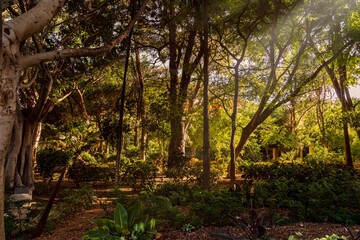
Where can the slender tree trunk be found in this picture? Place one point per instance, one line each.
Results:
(206, 133)
(141, 103)
(348, 157)
(250, 128)
(41, 225)
(245, 134)
(120, 138)
(233, 125)
(79, 100)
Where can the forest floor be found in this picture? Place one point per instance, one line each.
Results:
(74, 226)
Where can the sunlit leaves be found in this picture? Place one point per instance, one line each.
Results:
(353, 25)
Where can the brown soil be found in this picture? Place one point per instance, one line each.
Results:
(74, 226)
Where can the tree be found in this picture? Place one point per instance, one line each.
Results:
(244, 20)
(206, 133)
(178, 91)
(288, 56)
(338, 71)
(15, 32)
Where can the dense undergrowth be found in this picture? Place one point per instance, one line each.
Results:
(274, 193)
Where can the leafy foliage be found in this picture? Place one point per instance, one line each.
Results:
(75, 200)
(316, 192)
(48, 159)
(139, 174)
(126, 224)
(203, 208)
(81, 173)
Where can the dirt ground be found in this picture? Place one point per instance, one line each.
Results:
(73, 228)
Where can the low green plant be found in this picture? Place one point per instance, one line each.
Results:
(77, 199)
(20, 217)
(176, 192)
(118, 196)
(161, 208)
(212, 207)
(331, 237)
(187, 227)
(127, 224)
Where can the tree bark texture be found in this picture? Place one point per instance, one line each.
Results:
(206, 130)
(140, 109)
(178, 91)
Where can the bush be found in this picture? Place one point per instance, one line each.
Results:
(76, 200)
(312, 192)
(161, 208)
(81, 173)
(199, 207)
(139, 175)
(48, 159)
(213, 207)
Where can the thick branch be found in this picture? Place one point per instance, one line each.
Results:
(35, 19)
(27, 61)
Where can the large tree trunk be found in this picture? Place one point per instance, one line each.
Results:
(8, 96)
(26, 131)
(19, 164)
(178, 92)
(176, 151)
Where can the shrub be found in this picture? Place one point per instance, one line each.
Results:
(139, 174)
(161, 208)
(76, 200)
(213, 207)
(87, 158)
(198, 207)
(48, 159)
(312, 192)
(81, 173)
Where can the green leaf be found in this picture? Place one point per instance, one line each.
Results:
(134, 212)
(120, 217)
(97, 233)
(152, 224)
(104, 222)
(141, 227)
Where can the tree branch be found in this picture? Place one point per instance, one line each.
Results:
(27, 61)
(35, 19)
